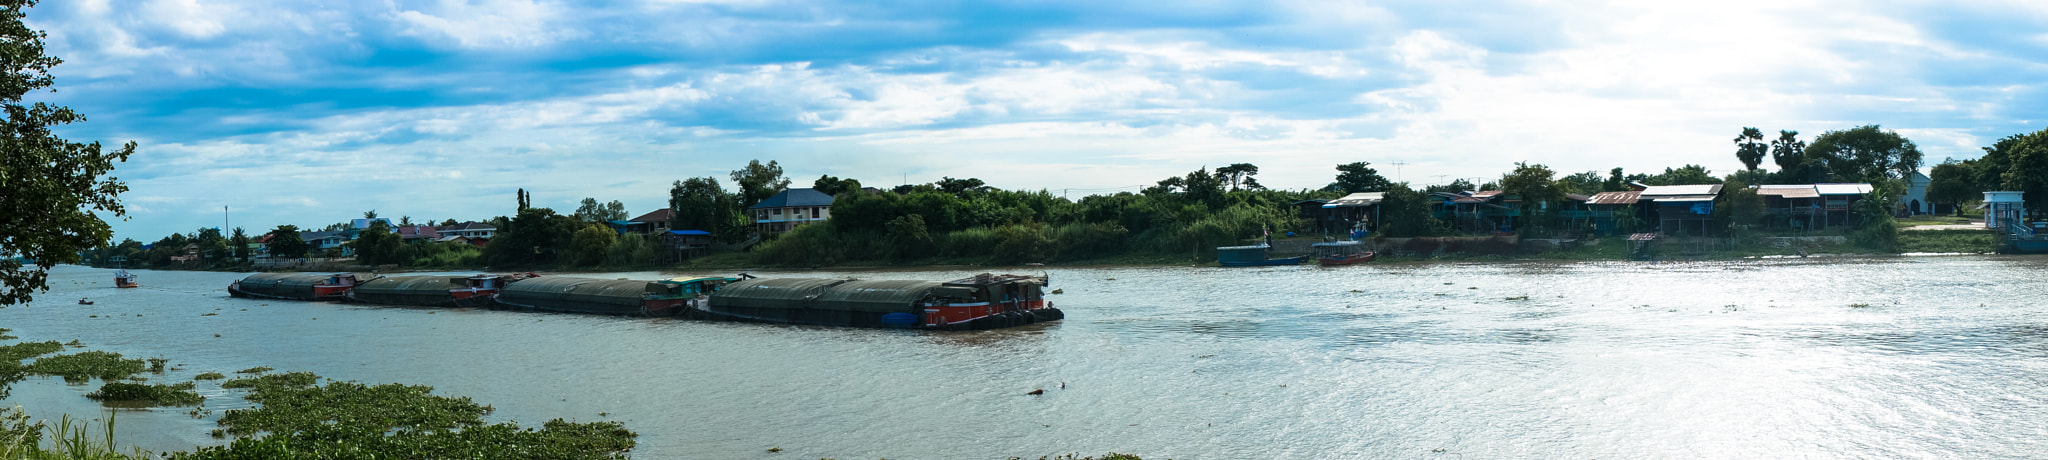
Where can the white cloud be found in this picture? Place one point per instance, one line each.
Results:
(486, 23)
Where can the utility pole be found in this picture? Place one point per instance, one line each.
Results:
(1397, 170)
(223, 218)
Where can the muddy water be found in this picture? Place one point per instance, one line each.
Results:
(1897, 357)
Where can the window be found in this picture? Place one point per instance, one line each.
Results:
(776, 211)
(814, 213)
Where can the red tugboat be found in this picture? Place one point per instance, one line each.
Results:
(123, 279)
(985, 301)
(294, 286)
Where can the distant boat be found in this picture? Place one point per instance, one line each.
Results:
(1252, 256)
(123, 279)
(1342, 253)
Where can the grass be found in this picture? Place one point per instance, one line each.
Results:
(21, 438)
(1922, 220)
(1967, 241)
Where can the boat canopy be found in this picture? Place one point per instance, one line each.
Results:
(824, 294)
(564, 292)
(409, 289)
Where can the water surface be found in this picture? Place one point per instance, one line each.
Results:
(1892, 357)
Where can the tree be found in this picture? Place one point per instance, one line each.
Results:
(1788, 151)
(1587, 183)
(1456, 186)
(1990, 168)
(405, 221)
(1405, 213)
(378, 245)
(834, 186)
(537, 236)
(759, 182)
(591, 211)
(700, 203)
(1534, 185)
(524, 200)
(1616, 181)
(960, 187)
(1953, 182)
(1750, 148)
(2028, 172)
(1686, 175)
(590, 244)
(908, 238)
(1204, 188)
(1865, 153)
(240, 244)
(285, 242)
(50, 188)
(370, 214)
(1359, 177)
(1239, 175)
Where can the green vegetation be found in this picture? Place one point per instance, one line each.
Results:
(299, 419)
(1948, 241)
(209, 376)
(154, 394)
(255, 370)
(85, 366)
(56, 190)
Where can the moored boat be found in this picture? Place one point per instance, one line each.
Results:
(1252, 256)
(1342, 253)
(985, 301)
(589, 295)
(294, 286)
(123, 279)
(432, 290)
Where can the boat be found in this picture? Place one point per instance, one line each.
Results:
(123, 279)
(433, 290)
(985, 301)
(1342, 253)
(1252, 256)
(590, 295)
(294, 286)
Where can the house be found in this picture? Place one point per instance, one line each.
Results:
(1355, 212)
(1476, 212)
(472, 230)
(322, 241)
(652, 223)
(1611, 211)
(1318, 219)
(1810, 206)
(461, 239)
(1682, 209)
(2002, 208)
(1915, 201)
(418, 232)
(789, 209)
(684, 244)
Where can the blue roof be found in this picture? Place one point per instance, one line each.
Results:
(690, 232)
(795, 197)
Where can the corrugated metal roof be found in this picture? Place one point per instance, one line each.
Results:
(1576, 197)
(1788, 191)
(1842, 189)
(1684, 198)
(1681, 190)
(1357, 199)
(1485, 193)
(1615, 198)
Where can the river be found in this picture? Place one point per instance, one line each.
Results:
(1885, 357)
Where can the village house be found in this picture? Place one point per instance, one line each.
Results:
(475, 232)
(1355, 212)
(652, 223)
(418, 232)
(789, 209)
(1483, 211)
(684, 244)
(1914, 202)
(322, 241)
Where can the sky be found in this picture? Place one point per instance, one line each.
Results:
(258, 113)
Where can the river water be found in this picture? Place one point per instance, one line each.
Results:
(1889, 357)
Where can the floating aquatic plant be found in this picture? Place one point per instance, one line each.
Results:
(209, 376)
(159, 395)
(255, 370)
(84, 366)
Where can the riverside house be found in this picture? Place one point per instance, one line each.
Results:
(789, 209)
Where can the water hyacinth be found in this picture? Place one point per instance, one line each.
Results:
(83, 366)
(158, 395)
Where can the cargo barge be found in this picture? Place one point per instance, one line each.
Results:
(433, 290)
(294, 286)
(985, 301)
(607, 297)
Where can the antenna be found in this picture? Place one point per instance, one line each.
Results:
(1397, 170)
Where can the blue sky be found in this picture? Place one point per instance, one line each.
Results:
(311, 112)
